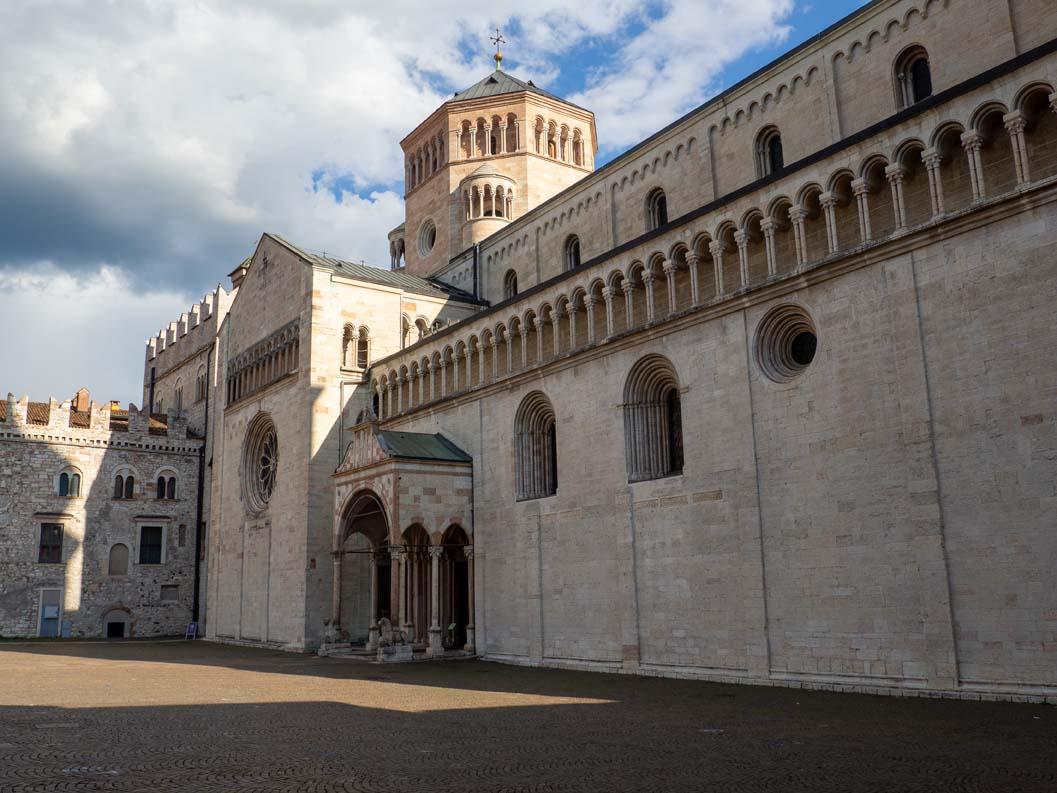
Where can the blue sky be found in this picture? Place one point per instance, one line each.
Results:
(145, 147)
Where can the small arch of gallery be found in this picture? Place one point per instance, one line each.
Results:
(999, 150)
(413, 582)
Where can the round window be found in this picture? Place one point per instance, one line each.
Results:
(786, 342)
(427, 238)
(260, 462)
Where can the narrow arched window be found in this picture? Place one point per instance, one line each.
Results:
(769, 157)
(509, 284)
(656, 209)
(363, 356)
(64, 484)
(653, 426)
(170, 488)
(348, 345)
(572, 252)
(913, 76)
(160, 490)
(129, 486)
(118, 563)
(119, 486)
(537, 452)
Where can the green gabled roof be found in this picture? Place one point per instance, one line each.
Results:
(421, 446)
(499, 83)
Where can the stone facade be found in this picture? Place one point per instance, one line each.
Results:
(786, 417)
(59, 465)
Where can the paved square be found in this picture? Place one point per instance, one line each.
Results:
(162, 716)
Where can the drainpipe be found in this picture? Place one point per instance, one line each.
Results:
(201, 484)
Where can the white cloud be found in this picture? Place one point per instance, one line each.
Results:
(162, 138)
(63, 332)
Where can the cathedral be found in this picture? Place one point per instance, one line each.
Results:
(771, 397)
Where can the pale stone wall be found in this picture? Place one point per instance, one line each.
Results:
(257, 573)
(31, 458)
(818, 95)
(883, 519)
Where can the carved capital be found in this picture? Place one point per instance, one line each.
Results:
(1015, 122)
(648, 277)
(827, 200)
(797, 215)
(895, 172)
(607, 293)
(693, 259)
(768, 225)
(972, 140)
(435, 551)
(741, 238)
(931, 158)
(716, 248)
(468, 552)
(859, 187)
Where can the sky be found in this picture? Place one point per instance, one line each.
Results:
(145, 145)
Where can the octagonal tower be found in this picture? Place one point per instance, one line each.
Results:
(483, 158)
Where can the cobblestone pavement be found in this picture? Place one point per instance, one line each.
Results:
(168, 716)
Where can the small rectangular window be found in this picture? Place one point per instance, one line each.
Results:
(50, 543)
(170, 592)
(150, 544)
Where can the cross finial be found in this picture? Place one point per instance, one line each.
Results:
(497, 39)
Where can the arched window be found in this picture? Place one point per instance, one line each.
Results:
(913, 76)
(653, 426)
(118, 564)
(572, 252)
(769, 157)
(200, 384)
(178, 396)
(119, 486)
(68, 483)
(537, 454)
(128, 487)
(166, 488)
(363, 349)
(656, 209)
(509, 284)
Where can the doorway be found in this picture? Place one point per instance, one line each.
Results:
(50, 613)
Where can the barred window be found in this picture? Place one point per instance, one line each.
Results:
(653, 425)
(537, 454)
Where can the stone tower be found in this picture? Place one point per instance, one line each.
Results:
(483, 158)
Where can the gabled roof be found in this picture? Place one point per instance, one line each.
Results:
(376, 275)
(421, 446)
(499, 83)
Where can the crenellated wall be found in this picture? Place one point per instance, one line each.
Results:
(91, 445)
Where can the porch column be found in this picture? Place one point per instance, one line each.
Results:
(405, 624)
(436, 635)
(395, 552)
(508, 342)
(495, 358)
(556, 321)
(768, 226)
(335, 591)
(570, 312)
(524, 346)
(537, 323)
(607, 295)
(471, 638)
(480, 364)
(372, 629)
